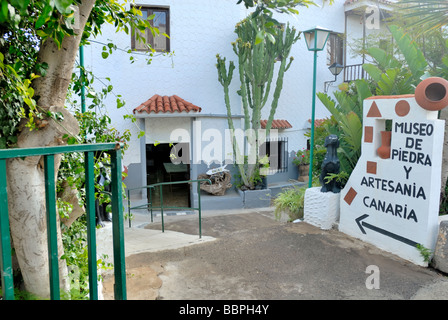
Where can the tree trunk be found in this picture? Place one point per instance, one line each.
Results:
(26, 185)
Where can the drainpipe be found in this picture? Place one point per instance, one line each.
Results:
(193, 169)
(345, 44)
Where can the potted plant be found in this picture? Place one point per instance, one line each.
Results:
(289, 204)
(302, 160)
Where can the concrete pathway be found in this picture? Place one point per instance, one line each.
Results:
(247, 254)
(139, 240)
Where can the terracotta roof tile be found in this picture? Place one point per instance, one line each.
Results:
(166, 104)
(317, 122)
(276, 124)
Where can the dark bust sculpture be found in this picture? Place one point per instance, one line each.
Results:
(330, 165)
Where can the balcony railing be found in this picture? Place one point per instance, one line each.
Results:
(354, 72)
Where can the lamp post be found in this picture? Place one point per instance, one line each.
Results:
(316, 39)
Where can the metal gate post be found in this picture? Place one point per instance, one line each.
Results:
(5, 238)
(52, 236)
(91, 224)
(117, 226)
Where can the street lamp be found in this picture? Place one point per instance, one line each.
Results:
(335, 69)
(316, 39)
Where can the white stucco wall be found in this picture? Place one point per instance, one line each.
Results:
(200, 29)
(156, 129)
(355, 32)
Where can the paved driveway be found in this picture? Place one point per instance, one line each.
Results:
(256, 257)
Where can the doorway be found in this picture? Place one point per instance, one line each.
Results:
(161, 168)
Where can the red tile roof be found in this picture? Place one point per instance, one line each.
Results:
(317, 122)
(165, 104)
(276, 124)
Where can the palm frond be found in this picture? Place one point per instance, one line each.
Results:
(430, 14)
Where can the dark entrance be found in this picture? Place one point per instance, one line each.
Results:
(160, 168)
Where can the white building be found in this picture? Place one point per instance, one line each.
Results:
(187, 78)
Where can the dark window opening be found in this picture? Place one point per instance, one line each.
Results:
(335, 49)
(277, 152)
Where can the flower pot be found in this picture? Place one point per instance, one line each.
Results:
(304, 170)
(432, 93)
(384, 150)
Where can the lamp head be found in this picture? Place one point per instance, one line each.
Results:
(336, 68)
(316, 38)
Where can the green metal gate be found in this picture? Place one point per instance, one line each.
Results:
(50, 195)
(149, 206)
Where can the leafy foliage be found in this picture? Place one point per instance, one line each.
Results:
(95, 128)
(346, 121)
(281, 6)
(302, 157)
(389, 75)
(429, 14)
(392, 76)
(18, 67)
(291, 201)
(24, 26)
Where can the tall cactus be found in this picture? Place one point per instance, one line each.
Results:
(258, 49)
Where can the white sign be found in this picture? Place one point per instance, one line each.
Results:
(392, 197)
(217, 170)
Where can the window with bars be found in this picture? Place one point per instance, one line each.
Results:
(277, 152)
(159, 17)
(335, 49)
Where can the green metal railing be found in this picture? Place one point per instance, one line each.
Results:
(150, 206)
(50, 195)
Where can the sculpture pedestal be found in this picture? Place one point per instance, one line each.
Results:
(321, 209)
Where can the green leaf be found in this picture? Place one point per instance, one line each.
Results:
(63, 6)
(21, 5)
(2, 143)
(71, 140)
(414, 56)
(363, 91)
(373, 71)
(104, 54)
(4, 11)
(384, 59)
(44, 16)
(259, 37)
(41, 33)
